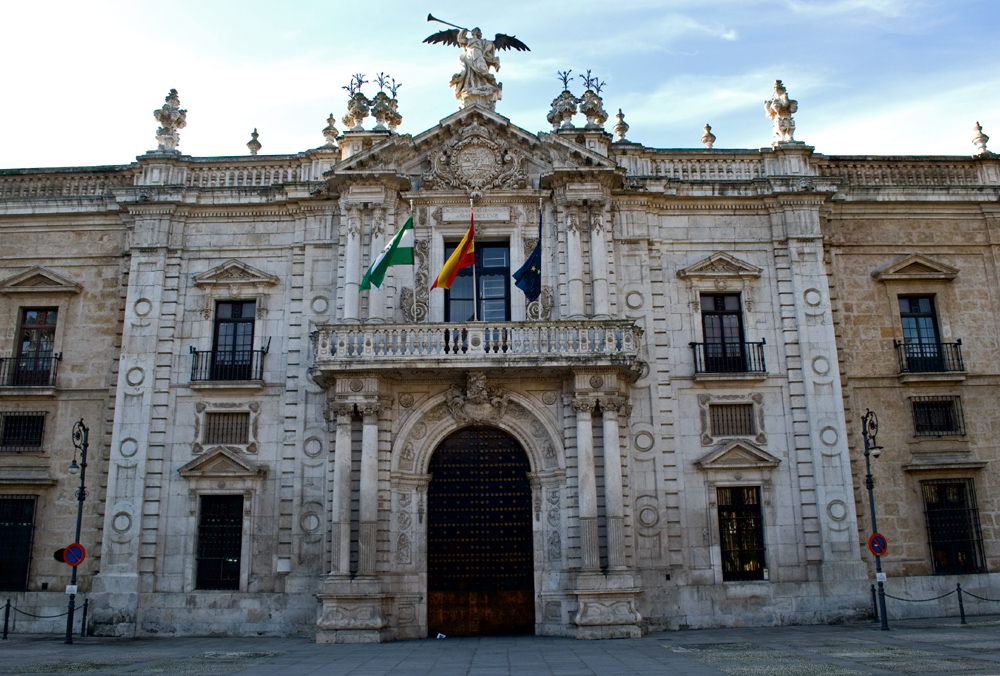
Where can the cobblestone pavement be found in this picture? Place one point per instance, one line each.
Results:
(936, 646)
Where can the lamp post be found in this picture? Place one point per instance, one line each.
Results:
(869, 430)
(80, 434)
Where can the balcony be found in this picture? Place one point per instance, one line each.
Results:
(37, 369)
(930, 357)
(557, 344)
(713, 361)
(227, 366)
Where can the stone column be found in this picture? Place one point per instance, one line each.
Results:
(376, 297)
(599, 266)
(614, 502)
(589, 540)
(574, 253)
(368, 521)
(341, 512)
(352, 264)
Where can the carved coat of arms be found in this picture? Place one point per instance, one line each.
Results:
(476, 162)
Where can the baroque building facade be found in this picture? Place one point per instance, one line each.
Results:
(668, 437)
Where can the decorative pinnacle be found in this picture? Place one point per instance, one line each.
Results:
(620, 127)
(564, 76)
(980, 140)
(708, 138)
(357, 80)
(171, 119)
(330, 132)
(253, 144)
(593, 83)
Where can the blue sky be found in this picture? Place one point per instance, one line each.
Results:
(871, 76)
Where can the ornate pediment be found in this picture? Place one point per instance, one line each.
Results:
(39, 280)
(221, 463)
(235, 273)
(474, 160)
(720, 265)
(738, 454)
(916, 267)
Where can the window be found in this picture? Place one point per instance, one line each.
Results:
(492, 276)
(741, 533)
(17, 525)
(937, 416)
(21, 431)
(953, 531)
(33, 365)
(731, 420)
(922, 349)
(233, 357)
(724, 349)
(227, 428)
(220, 542)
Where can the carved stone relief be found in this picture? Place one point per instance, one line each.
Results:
(475, 161)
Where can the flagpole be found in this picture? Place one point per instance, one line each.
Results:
(475, 284)
(413, 267)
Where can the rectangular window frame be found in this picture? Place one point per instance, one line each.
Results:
(485, 276)
(937, 416)
(227, 428)
(954, 533)
(742, 547)
(16, 541)
(730, 420)
(22, 431)
(220, 542)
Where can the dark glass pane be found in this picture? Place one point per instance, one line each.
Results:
(220, 542)
(17, 521)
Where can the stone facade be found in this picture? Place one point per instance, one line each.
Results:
(636, 428)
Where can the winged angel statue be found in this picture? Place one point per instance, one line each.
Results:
(474, 84)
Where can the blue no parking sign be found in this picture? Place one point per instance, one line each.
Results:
(877, 544)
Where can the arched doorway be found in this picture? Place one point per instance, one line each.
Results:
(480, 577)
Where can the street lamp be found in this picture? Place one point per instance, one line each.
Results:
(869, 430)
(80, 433)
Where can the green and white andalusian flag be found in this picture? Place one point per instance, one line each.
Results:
(399, 251)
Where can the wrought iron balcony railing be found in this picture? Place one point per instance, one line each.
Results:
(506, 343)
(729, 357)
(37, 369)
(227, 365)
(930, 357)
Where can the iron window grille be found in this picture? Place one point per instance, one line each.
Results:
(229, 427)
(17, 526)
(732, 420)
(937, 416)
(21, 431)
(953, 531)
(741, 532)
(220, 542)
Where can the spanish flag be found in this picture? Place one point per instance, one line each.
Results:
(464, 256)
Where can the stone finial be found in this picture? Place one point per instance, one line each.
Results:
(980, 140)
(253, 144)
(621, 127)
(358, 105)
(380, 110)
(330, 132)
(780, 109)
(563, 110)
(171, 119)
(591, 103)
(708, 138)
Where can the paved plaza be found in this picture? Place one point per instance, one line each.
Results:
(934, 646)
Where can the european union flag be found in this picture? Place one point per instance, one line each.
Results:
(529, 277)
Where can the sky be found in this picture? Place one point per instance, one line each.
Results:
(872, 77)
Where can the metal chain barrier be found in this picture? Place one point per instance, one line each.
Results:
(958, 590)
(8, 607)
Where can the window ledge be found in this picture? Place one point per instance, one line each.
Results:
(942, 465)
(937, 377)
(246, 385)
(28, 392)
(723, 377)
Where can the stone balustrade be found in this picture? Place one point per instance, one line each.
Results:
(905, 172)
(21, 183)
(708, 166)
(557, 343)
(245, 173)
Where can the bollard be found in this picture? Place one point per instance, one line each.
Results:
(874, 605)
(83, 621)
(961, 606)
(6, 618)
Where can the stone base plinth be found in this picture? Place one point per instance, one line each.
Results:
(353, 611)
(606, 606)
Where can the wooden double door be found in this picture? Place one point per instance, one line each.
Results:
(480, 575)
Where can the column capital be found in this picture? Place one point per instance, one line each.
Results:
(368, 408)
(584, 404)
(615, 405)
